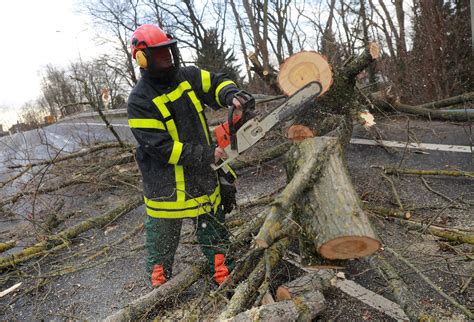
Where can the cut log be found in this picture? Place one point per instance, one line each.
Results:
(297, 133)
(355, 290)
(333, 214)
(311, 157)
(319, 280)
(302, 308)
(136, 309)
(302, 68)
(339, 104)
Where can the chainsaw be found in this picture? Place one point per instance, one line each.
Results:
(241, 132)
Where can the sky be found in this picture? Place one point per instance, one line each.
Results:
(34, 33)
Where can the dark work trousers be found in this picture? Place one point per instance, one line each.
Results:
(163, 235)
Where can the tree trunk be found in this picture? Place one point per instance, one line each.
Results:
(311, 158)
(319, 280)
(333, 215)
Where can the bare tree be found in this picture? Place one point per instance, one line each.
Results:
(116, 21)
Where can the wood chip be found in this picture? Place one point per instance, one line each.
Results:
(9, 290)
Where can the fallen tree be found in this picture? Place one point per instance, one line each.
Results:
(429, 110)
(319, 207)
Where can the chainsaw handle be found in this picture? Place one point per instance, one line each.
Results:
(230, 120)
(247, 105)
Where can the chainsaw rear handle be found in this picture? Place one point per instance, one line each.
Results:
(230, 121)
(247, 103)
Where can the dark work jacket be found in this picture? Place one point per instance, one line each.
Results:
(175, 148)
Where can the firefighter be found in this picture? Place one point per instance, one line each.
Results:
(175, 152)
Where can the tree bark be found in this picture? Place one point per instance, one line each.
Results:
(390, 103)
(333, 215)
(400, 291)
(245, 290)
(311, 157)
(394, 170)
(304, 307)
(319, 280)
(7, 245)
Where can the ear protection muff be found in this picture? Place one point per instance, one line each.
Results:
(140, 57)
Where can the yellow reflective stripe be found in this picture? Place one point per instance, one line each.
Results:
(196, 102)
(203, 122)
(185, 204)
(146, 124)
(160, 103)
(206, 80)
(204, 209)
(219, 88)
(180, 184)
(172, 130)
(232, 172)
(198, 106)
(176, 153)
(178, 92)
(178, 214)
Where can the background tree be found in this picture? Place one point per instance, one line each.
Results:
(58, 90)
(214, 57)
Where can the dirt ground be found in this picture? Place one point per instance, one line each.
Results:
(105, 278)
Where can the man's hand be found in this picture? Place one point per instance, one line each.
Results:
(219, 153)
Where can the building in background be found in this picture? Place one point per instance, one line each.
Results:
(20, 127)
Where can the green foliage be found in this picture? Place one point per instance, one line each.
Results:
(212, 56)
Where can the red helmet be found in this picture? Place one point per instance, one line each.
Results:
(147, 36)
(156, 52)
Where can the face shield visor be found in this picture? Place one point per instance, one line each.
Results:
(163, 60)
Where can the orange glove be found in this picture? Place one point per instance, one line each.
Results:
(221, 271)
(158, 276)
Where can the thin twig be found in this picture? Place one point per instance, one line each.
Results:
(434, 191)
(451, 300)
(394, 190)
(438, 214)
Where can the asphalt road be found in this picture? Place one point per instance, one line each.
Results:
(74, 134)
